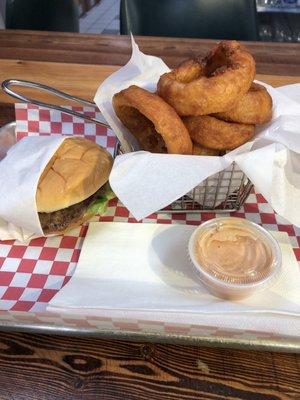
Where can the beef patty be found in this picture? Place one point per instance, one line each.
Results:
(61, 219)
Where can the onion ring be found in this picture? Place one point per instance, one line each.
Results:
(209, 85)
(255, 107)
(215, 134)
(152, 121)
(204, 151)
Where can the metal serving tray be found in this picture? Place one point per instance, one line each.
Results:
(235, 188)
(49, 323)
(222, 341)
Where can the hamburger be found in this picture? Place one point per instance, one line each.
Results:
(73, 186)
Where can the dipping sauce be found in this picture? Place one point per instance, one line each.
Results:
(234, 257)
(234, 252)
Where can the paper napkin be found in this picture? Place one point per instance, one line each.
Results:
(20, 171)
(144, 270)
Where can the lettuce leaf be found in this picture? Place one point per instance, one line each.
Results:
(99, 206)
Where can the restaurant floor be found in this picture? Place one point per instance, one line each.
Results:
(102, 18)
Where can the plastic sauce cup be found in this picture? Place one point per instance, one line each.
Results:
(241, 281)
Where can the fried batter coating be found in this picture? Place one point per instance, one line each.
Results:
(204, 151)
(153, 122)
(215, 134)
(209, 85)
(255, 107)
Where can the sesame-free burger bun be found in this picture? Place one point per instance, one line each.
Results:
(76, 171)
(70, 182)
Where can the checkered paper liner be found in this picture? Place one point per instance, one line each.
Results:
(31, 274)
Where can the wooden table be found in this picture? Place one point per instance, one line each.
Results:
(64, 368)
(78, 63)
(54, 367)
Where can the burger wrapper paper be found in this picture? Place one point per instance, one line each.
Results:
(20, 171)
(142, 272)
(147, 182)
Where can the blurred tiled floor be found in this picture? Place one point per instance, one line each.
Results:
(102, 18)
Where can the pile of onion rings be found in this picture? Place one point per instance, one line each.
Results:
(205, 106)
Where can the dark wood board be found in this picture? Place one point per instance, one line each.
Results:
(56, 367)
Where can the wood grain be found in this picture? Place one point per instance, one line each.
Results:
(53, 367)
(75, 79)
(78, 63)
(7, 113)
(271, 58)
(78, 80)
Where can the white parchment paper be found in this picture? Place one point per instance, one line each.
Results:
(19, 174)
(147, 182)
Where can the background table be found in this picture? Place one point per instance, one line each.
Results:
(77, 63)
(42, 367)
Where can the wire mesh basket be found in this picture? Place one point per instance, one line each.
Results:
(224, 191)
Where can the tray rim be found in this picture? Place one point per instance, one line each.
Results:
(167, 338)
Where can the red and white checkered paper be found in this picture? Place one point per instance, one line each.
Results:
(31, 274)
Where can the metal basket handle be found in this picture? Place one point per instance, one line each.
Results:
(18, 82)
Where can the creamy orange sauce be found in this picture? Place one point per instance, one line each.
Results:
(234, 253)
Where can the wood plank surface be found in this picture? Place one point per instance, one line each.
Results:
(272, 58)
(53, 367)
(79, 80)
(78, 63)
(7, 113)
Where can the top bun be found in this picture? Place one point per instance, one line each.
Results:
(75, 172)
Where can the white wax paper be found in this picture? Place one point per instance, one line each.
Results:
(147, 182)
(19, 174)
